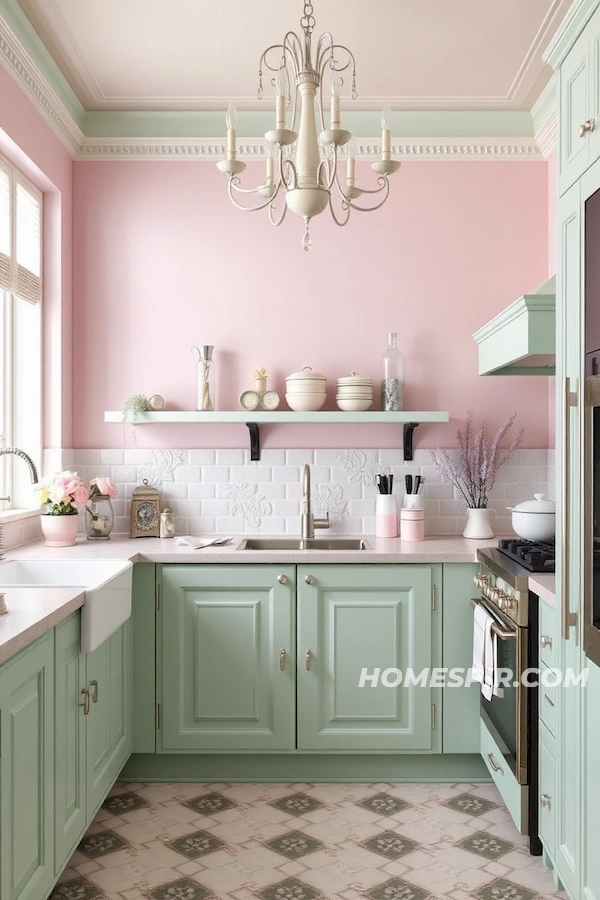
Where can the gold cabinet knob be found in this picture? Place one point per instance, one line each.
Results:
(282, 579)
(588, 125)
(544, 800)
(309, 579)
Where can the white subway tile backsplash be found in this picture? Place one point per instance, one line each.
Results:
(222, 491)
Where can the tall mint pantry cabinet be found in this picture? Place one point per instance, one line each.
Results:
(570, 747)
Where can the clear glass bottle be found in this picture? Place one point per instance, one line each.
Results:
(206, 378)
(392, 382)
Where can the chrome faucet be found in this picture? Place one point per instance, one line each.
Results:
(14, 451)
(308, 521)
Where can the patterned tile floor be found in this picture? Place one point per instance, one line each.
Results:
(304, 842)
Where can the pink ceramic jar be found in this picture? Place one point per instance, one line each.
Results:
(412, 524)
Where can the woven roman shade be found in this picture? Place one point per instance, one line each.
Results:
(20, 235)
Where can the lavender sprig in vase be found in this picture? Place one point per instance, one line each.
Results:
(473, 471)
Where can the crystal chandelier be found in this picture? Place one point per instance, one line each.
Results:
(308, 175)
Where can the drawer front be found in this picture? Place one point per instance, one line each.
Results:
(513, 794)
(547, 792)
(548, 641)
(548, 700)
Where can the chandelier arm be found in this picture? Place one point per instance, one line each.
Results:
(382, 181)
(234, 185)
(292, 44)
(323, 48)
(384, 187)
(264, 60)
(272, 219)
(291, 184)
(341, 222)
(331, 162)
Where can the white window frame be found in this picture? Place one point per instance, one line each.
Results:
(20, 348)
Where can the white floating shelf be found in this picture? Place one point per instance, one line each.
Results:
(410, 420)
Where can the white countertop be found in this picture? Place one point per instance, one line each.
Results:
(33, 611)
(544, 586)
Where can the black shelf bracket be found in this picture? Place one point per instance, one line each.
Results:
(254, 441)
(409, 428)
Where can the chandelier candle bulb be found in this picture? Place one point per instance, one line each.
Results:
(335, 101)
(386, 135)
(231, 122)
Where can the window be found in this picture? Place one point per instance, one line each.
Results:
(20, 332)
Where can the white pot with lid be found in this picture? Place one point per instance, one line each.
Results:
(534, 520)
(306, 391)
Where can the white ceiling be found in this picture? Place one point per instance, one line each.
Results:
(195, 54)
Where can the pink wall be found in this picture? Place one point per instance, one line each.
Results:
(28, 141)
(163, 261)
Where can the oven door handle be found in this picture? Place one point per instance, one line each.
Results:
(503, 633)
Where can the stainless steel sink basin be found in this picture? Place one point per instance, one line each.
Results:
(299, 544)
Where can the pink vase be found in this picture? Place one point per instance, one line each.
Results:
(59, 531)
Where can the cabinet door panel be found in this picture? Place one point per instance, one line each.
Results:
(569, 362)
(26, 774)
(576, 108)
(109, 721)
(594, 77)
(591, 796)
(222, 632)
(363, 617)
(461, 704)
(69, 772)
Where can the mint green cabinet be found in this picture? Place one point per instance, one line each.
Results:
(591, 796)
(376, 618)
(93, 728)
(461, 701)
(226, 663)
(26, 773)
(70, 739)
(109, 721)
(579, 93)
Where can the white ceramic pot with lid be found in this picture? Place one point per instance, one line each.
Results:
(306, 391)
(534, 520)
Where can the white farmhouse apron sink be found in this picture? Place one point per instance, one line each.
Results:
(107, 584)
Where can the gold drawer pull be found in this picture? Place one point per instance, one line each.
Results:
(94, 687)
(494, 764)
(86, 701)
(308, 660)
(282, 660)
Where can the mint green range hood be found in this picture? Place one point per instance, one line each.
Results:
(521, 339)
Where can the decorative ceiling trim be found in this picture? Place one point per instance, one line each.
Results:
(24, 71)
(547, 136)
(212, 149)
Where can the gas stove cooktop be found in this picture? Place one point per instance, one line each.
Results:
(535, 556)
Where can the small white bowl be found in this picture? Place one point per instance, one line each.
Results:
(354, 404)
(305, 402)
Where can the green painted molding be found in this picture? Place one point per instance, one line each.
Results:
(24, 33)
(190, 134)
(572, 26)
(307, 767)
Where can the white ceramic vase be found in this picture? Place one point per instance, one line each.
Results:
(478, 525)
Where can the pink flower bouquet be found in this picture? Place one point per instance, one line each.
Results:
(102, 487)
(62, 494)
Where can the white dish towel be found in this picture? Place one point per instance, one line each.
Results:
(485, 654)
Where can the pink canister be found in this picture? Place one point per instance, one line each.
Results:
(412, 524)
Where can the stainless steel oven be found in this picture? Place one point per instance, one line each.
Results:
(512, 718)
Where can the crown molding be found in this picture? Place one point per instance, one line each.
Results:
(213, 149)
(572, 26)
(20, 65)
(24, 71)
(547, 137)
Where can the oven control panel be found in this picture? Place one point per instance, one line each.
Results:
(496, 590)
